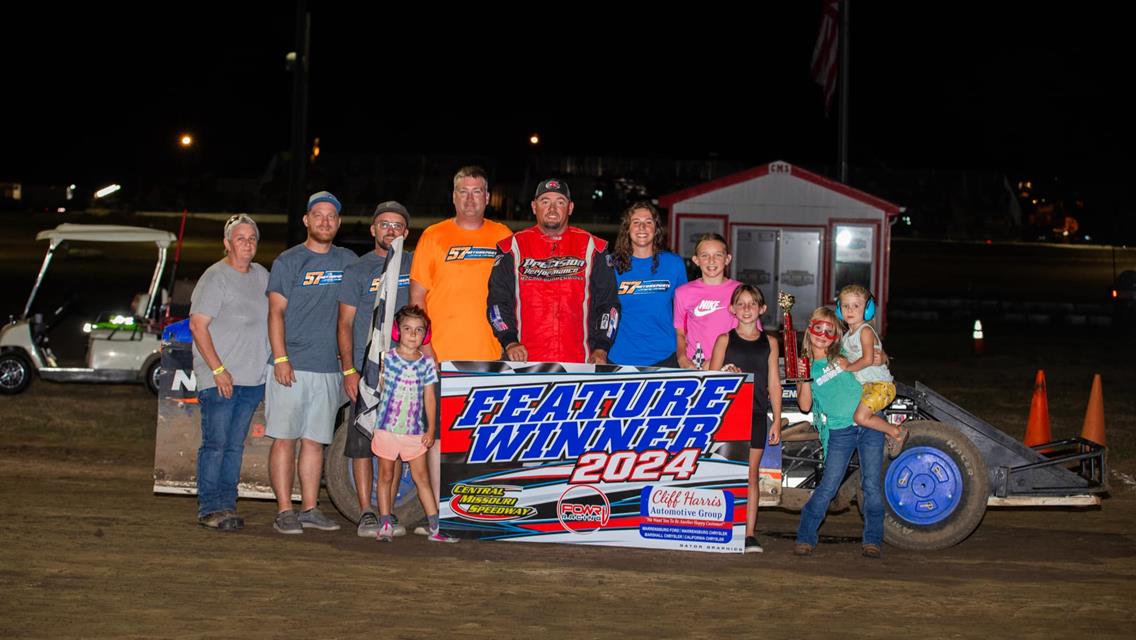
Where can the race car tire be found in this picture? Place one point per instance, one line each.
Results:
(935, 491)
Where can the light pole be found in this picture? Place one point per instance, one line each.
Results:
(186, 142)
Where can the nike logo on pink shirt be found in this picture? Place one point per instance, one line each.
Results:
(706, 307)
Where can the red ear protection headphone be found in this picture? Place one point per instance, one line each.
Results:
(394, 334)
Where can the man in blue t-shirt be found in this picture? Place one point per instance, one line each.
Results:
(361, 283)
(304, 391)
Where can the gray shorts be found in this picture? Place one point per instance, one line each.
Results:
(306, 409)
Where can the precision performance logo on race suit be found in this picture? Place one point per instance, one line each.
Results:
(470, 253)
(554, 268)
(377, 283)
(641, 287)
(321, 278)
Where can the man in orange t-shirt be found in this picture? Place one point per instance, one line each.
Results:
(450, 274)
(450, 280)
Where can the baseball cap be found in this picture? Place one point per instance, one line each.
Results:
(392, 206)
(324, 196)
(554, 185)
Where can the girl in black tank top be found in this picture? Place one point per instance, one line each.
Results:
(749, 349)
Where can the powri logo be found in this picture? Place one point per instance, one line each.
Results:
(583, 509)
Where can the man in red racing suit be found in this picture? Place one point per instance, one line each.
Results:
(552, 292)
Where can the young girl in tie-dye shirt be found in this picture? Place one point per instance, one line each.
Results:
(407, 418)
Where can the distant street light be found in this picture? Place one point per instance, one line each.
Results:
(534, 139)
(107, 190)
(186, 140)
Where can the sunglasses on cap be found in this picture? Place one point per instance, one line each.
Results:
(822, 329)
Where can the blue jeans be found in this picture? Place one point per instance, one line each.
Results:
(224, 427)
(841, 444)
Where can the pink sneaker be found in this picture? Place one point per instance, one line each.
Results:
(438, 536)
(386, 534)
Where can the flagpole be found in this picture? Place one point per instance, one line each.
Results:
(842, 116)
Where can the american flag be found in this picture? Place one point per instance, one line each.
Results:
(382, 318)
(824, 67)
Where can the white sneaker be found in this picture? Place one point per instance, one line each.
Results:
(399, 530)
(368, 525)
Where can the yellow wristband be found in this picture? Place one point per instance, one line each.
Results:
(349, 372)
(218, 370)
(280, 359)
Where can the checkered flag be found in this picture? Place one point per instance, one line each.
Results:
(382, 319)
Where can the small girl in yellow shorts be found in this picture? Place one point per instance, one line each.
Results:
(855, 307)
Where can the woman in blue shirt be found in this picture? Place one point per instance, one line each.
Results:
(647, 276)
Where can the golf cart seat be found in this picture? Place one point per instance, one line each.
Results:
(141, 301)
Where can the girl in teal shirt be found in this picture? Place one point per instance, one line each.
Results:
(832, 396)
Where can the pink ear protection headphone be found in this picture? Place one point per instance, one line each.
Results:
(394, 334)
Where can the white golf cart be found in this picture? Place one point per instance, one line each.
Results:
(121, 346)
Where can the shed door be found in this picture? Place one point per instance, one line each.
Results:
(799, 270)
(755, 263)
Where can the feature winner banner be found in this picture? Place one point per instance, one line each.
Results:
(595, 454)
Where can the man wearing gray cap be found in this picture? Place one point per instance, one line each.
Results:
(552, 295)
(305, 387)
(362, 281)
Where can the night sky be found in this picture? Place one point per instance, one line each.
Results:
(100, 95)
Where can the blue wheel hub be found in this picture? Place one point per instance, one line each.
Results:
(923, 485)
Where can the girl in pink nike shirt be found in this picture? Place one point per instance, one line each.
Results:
(702, 307)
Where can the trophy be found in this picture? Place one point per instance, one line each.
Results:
(789, 339)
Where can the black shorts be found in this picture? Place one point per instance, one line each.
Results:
(759, 431)
(358, 443)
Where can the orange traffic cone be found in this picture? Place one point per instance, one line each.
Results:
(1037, 428)
(1093, 430)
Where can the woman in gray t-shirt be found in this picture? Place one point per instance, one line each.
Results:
(228, 317)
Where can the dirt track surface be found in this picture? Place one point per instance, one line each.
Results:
(87, 550)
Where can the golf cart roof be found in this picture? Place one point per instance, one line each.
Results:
(105, 233)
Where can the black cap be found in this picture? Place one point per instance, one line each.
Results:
(555, 185)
